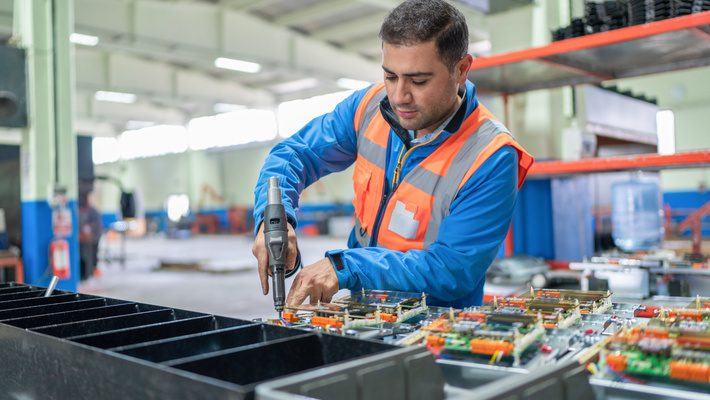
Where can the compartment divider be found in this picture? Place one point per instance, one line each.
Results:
(35, 301)
(52, 308)
(206, 342)
(146, 333)
(74, 329)
(72, 316)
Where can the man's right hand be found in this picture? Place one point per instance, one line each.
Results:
(262, 256)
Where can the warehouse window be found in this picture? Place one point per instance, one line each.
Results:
(292, 115)
(665, 128)
(232, 128)
(153, 141)
(105, 150)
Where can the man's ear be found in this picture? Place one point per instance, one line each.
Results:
(462, 68)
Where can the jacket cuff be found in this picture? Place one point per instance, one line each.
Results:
(337, 259)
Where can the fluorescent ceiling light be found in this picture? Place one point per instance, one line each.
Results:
(115, 97)
(137, 124)
(237, 65)
(352, 84)
(85, 40)
(482, 47)
(221, 108)
(295, 86)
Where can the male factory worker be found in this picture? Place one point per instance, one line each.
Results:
(436, 175)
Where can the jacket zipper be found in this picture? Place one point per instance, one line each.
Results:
(402, 159)
(395, 183)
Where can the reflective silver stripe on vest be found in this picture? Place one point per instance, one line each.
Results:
(372, 152)
(445, 188)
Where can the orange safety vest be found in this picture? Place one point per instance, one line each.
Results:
(415, 210)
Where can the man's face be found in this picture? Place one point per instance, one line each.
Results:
(421, 89)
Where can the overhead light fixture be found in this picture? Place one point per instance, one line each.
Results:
(137, 124)
(84, 40)
(115, 97)
(237, 65)
(221, 108)
(352, 84)
(295, 86)
(482, 47)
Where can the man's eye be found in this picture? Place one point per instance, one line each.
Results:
(419, 82)
(390, 78)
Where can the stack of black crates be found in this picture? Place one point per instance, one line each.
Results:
(602, 16)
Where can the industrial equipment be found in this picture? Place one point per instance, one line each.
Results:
(276, 242)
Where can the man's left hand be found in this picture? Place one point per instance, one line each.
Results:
(317, 281)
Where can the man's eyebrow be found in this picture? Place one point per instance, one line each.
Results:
(410, 74)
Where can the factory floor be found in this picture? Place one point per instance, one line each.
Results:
(211, 274)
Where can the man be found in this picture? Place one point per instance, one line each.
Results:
(435, 179)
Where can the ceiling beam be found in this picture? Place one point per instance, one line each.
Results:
(353, 28)
(312, 12)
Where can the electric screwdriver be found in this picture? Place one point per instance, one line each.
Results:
(276, 241)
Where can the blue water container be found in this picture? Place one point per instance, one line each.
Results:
(636, 215)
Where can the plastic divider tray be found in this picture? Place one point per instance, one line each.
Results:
(81, 346)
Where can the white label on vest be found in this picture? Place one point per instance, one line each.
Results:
(403, 222)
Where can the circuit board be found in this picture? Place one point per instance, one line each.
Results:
(673, 347)
(476, 335)
(366, 314)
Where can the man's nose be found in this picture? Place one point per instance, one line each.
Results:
(402, 95)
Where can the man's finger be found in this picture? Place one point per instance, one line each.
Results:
(315, 294)
(299, 295)
(291, 257)
(262, 260)
(327, 299)
(294, 287)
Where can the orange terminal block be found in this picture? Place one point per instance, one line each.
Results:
(472, 316)
(435, 341)
(325, 322)
(388, 317)
(690, 371)
(290, 317)
(490, 347)
(617, 362)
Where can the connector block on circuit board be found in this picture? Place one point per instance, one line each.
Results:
(657, 351)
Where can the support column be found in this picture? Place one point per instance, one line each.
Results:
(48, 150)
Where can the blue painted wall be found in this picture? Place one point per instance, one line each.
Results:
(532, 220)
(685, 202)
(36, 238)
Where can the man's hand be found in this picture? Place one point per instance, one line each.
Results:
(317, 281)
(262, 256)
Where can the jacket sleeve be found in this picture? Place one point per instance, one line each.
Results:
(326, 144)
(469, 239)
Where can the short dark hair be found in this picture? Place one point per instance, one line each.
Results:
(419, 21)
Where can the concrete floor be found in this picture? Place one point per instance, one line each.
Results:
(233, 291)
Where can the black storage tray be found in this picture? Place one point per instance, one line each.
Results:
(132, 350)
(205, 342)
(248, 366)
